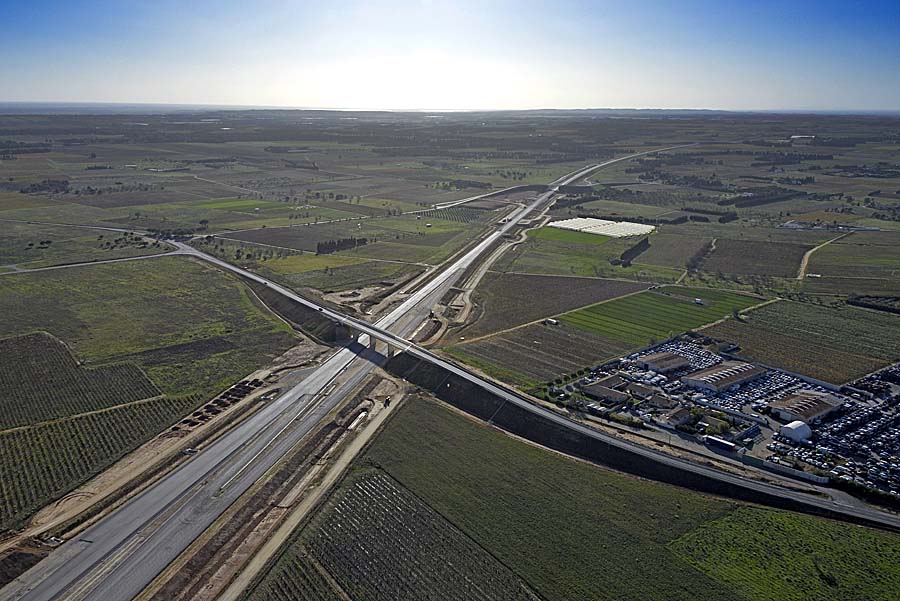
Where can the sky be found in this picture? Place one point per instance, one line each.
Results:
(431, 55)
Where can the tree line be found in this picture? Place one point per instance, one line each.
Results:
(332, 246)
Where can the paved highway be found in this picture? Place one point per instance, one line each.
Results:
(379, 332)
(121, 554)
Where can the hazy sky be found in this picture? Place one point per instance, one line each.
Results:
(787, 54)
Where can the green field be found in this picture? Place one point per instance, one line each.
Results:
(392, 527)
(189, 326)
(40, 380)
(402, 238)
(569, 236)
(151, 340)
(529, 356)
(370, 273)
(500, 298)
(850, 329)
(842, 258)
(657, 315)
(294, 576)
(44, 462)
(29, 246)
(570, 530)
(671, 250)
(777, 556)
(297, 269)
(553, 251)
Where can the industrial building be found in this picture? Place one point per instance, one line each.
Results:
(804, 406)
(601, 393)
(796, 431)
(723, 376)
(639, 391)
(663, 362)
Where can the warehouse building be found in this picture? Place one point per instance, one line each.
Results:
(639, 391)
(723, 376)
(601, 393)
(804, 406)
(796, 431)
(663, 362)
(614, 381)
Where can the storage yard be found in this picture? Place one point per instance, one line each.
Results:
(847, 435)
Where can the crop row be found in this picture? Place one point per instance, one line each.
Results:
(795, 354)
(40, 463)
(380, 542)
(501, 297)
(640, 317)
(294, 577)
(40, 380)
(849, 329)
(544, 352)
(457, 214)
(752, 257)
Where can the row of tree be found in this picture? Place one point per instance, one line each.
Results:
(332, 246)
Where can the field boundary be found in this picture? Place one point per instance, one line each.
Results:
(538, 321)
(804, 262)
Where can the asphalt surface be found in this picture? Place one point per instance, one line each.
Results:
(120, 555)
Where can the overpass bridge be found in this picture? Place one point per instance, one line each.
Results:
(120, 554)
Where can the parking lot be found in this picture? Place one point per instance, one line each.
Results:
(858, 442)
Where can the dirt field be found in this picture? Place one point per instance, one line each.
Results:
(753, 257)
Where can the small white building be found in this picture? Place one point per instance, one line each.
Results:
(796, 431)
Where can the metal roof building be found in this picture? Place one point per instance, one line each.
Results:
(723, 376)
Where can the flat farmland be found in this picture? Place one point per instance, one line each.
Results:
(507, 300)
(831, 344)
(43, 462)
(357, 275)
(555, 522)
(753, 257)
(328, 273)
(851, 285)
(17, 200)
(294, 576)
(739, 230)
(421, 241)
(552, 251)
(40, 380)
(844, 258)
(188, 325)
(656, 315)
(538, 353)
(780, 556)
(150, 341)
(794, 353)
(623, 210)
(380, 542)
(29, 246)
(671, 250)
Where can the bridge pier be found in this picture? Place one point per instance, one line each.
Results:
(373, 343)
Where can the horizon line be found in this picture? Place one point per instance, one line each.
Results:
(75, 104)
